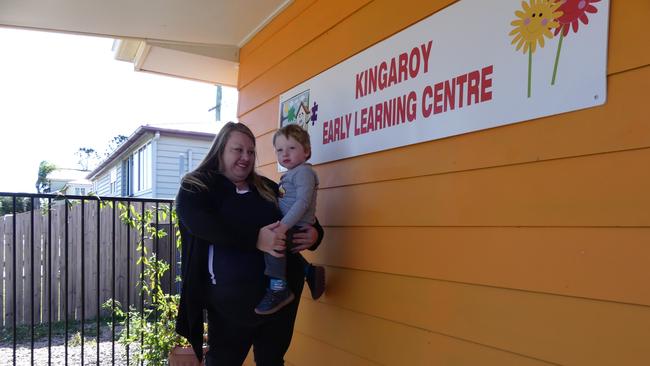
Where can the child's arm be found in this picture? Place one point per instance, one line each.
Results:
(282, 228)
(305, 181)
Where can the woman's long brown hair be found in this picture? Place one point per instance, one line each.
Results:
(212, 163)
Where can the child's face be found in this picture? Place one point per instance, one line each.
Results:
(290, 152)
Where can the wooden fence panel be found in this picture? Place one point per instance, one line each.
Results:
(106, 256)
(55, 255)
(46, 268)
(10, 273)
(12, 276)
(74, 264)
(135, 254)
(120, 265)
(90, 259)
(63, 260)
(57, 223)
(37, 259)
(22, 265)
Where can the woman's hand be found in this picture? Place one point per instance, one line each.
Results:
(304, 239)
(271, 242)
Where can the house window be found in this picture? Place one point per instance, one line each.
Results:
(126, 181)
(80, 191)
(113, 185)
(141, 169)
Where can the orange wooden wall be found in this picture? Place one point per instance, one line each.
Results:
(526, 244)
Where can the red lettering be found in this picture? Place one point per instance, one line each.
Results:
(401, 109)
(325, 134)
(474, 78)
(460, 81)
(348, 119)
(392, 76)
(387, 119)
(486, 82)
(357, 131)
(403, 71)
(401, 67)
(450, 94)
(378, 116)
(437, 98)
(426, 106)
(372, 80)
(412, 111)
(426, 51)
(415, 56)
(359, 86)
(383, 78)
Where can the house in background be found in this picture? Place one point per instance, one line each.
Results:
(69, 182)
(151, 162)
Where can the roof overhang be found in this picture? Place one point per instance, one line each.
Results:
(213, 64)
(137, 137)
(193, 39)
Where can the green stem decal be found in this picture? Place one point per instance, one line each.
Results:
(530, 66)
(557, 58)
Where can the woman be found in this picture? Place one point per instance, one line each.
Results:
(227, 214)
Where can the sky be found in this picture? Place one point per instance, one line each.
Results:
(60, 92)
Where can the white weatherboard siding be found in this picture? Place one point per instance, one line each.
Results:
(168, 151)
(103, 184)
(118, 190)
(154, 168)
(165, 166)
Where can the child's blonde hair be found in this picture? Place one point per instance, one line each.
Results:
(297, 133)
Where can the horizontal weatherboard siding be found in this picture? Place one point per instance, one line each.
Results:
(170, 150)
(525, 244)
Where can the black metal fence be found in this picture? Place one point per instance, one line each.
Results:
(65, 256)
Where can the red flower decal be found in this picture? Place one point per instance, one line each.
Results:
(572, 11)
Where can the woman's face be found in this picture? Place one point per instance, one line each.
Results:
(238, 157)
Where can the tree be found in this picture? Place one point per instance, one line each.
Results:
(114, 144)
(6, 205)
(23, 204)
(44, 168)
(87, 157)
(291, 115)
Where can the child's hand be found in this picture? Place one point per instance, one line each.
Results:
(270, 241)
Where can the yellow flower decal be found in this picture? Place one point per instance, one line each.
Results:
(534, 23)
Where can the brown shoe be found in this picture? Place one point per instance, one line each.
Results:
(316, 281)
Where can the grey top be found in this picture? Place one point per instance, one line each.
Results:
(298, 195)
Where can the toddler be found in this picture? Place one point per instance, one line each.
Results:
(297, 201)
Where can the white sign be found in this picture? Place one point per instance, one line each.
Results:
(474, 65)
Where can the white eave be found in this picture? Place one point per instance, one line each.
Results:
(215, 64)
(193, 39)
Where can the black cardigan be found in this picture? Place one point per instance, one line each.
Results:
(230, 222)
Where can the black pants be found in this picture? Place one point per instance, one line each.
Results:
(234, 327)
(277, 267)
